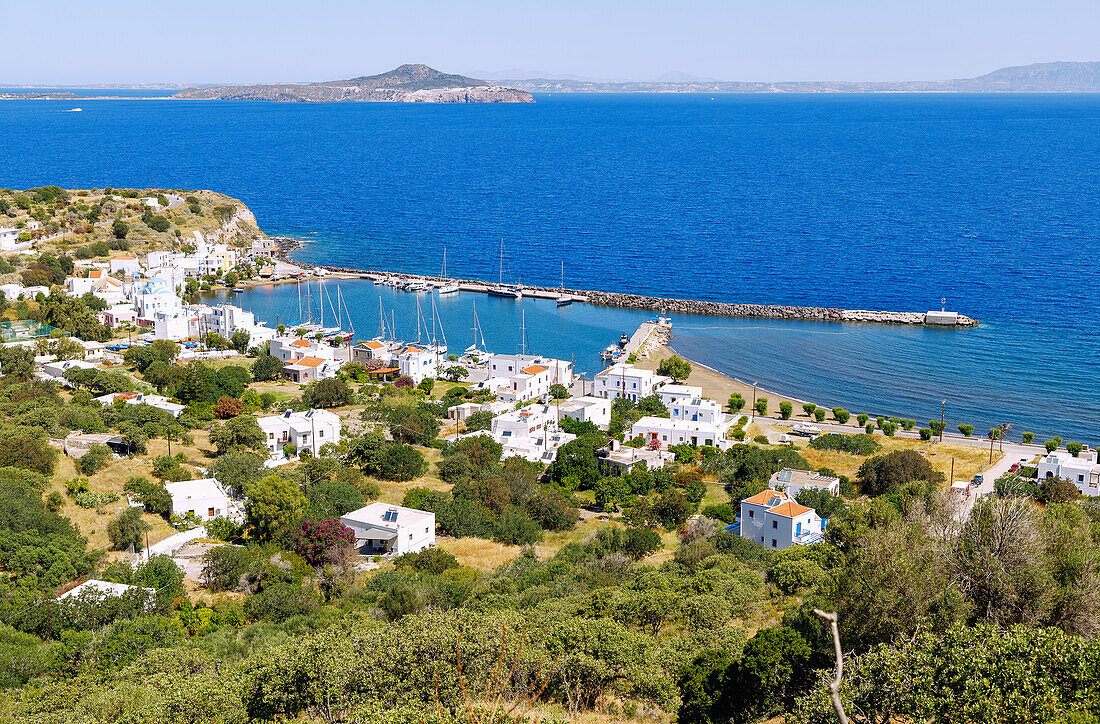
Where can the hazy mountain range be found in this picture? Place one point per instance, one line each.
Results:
(1060, 77)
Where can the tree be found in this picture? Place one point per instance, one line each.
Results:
(231, 279)
(274, 506)
(676, 367)
(267, 368)
(880, 473)
(819, 414)
(1074, 448)
(966, 430)
(558, 391)
(1028, 437)
(331, 392)
(227, 407)
(809, 408)
(17, 362)
(127, 529)
(785, 410)
(482, 420)
(28, 453)
(401, 462)
(841, 415)
(761, 406)
(333, 498)
(120, 229)
(426, 385)
(456, 373)
(236, 434)
(321, 541)
(240, 339)
(413, 425)
(237, 469)
(736, 402)
(93, 459)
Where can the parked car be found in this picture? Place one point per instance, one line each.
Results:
(1015, 468)
(978, 480)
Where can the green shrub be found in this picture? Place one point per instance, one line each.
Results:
(862, 418)
(761, 406)
(1028, 437)
(925, 433)
(852, 444)
(94, 459)
(809, 408)
(819, 415)
(761, 439)
(1074, 448)
(966, 430)
(889, 429)
(785, 410)
(1051, 445)
(841, 415)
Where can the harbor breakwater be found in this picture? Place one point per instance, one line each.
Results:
(669, 305)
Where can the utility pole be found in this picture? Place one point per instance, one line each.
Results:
(943, 410)
(992, 436)
(752, 412)
(952, 480)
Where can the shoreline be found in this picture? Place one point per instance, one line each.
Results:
(662, 305)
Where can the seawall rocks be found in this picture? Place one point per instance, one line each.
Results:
(679, 306)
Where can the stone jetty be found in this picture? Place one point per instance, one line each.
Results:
(683, 306)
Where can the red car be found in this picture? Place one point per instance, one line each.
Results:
(1015, 468)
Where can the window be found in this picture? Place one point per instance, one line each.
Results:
(775, 525)
(798, 529)
(773, 543)
(751, 515)
(209, 512)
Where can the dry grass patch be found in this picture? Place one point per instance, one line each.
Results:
(479, 553)
(969, 461)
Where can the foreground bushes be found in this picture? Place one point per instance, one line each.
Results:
(853, 444)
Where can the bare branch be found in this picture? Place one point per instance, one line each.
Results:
(834, 685)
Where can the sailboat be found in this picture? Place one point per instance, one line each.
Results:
(477, 350)
(501, 290)
(564, 300)
(449, 286)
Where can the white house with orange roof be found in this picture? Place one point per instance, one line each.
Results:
(774, 520)
(373, 349)
(99, 283)
(289, 348)
(126, 264)
(523, 378)
(310, 369)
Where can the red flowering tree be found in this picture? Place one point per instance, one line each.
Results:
(315, 540)
(403, 381)
(228, 407)
(653, 444)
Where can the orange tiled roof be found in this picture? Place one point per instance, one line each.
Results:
(310, 362)
(95, 274)
(299, 343)
(375, 344)
(767, 497)
(789, 509)
(534, 369)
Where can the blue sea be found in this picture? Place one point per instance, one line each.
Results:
(864, 201)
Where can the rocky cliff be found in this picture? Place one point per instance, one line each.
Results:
(406, 84)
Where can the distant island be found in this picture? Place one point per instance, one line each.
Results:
(1059, 77)
(405, 84)
(421, 84)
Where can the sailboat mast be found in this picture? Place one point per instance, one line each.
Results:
(500, 276)
(523, 332)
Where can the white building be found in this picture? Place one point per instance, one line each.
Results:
(126, 264)
(1082, 470)
(155, 296)
(226, 319)
(774, 520)
(14, 291)
(667, 432)
(140, 398)
(793, 482)
(290, 348)
(310, 369)
(522, 378)
(596, 410)
(618, 459)
(623, 380)
(384, 529)
(205, 498)
(95, 588)
(374, 349)
(678, 395)
(418, 362)
(56, 370)
(307, 430)
(530, 432)
(100, 284)
(9, 238)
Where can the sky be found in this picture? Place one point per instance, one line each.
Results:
(205, 41)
